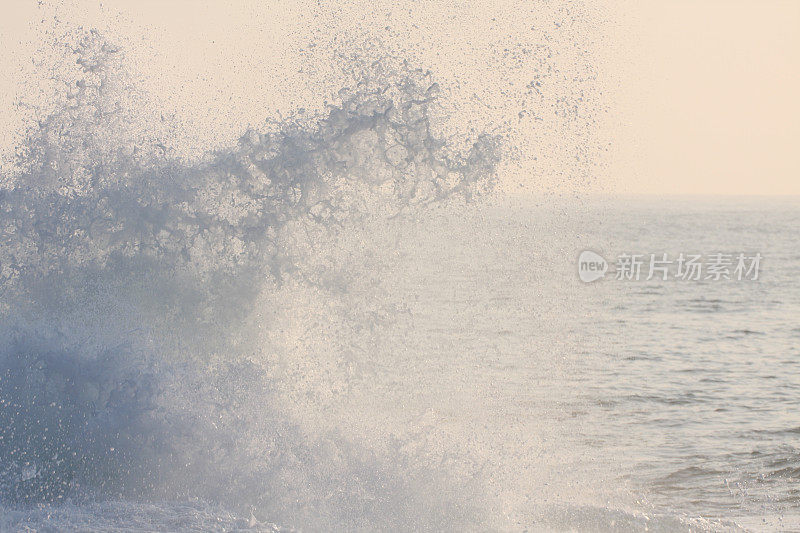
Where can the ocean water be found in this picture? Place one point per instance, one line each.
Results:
(698, 390)
(343, 323)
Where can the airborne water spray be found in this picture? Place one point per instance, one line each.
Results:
(127, 369)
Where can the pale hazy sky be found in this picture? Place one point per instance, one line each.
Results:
(708, 96)
(698, 96)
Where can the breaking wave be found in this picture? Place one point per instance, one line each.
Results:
(130, 367)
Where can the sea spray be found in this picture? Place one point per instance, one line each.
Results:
(128, 364)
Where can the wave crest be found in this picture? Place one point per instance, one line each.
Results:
(127, 275)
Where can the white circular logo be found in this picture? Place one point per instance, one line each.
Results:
(591, 266)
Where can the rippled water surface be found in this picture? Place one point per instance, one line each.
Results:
(698, 385)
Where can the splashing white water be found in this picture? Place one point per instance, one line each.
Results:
(128, 360)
